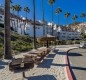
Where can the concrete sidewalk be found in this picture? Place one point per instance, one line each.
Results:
(53, 67)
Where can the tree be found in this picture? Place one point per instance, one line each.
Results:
(18, 9)
(11, 1)
(7, 39)
(27, 10)
(34, 26)
(74, 17)
(51, 3)
(83, 15)
(43, 17)
(58, 11)
(67, 14)
(13, 8)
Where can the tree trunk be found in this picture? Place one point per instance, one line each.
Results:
(25, 24)
(52, 19)
(7, 38)
(17, 21)
(43, 17)
(34, 27)
(58, 20)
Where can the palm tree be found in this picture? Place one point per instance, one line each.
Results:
(18, 9)
(7, 39)
(74, 18)
(43, 17)
(34, 26)
(51, 3)
(13, 8)
(67, 14)
(83, 15)
(11, 1)
(58, 11)
(27, 10)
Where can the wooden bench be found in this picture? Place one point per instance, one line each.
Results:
(44, 49)
(21, 64)
(37, 55)
(37, 52)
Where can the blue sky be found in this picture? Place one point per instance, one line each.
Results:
(72, 6)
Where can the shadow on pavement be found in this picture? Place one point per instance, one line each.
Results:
(78, 68)
(51, 56)
(1, 67)
(42, 77)
(73, 75)
(62, 65)
(47, 63)
(60, 53)
(74, 54)
(2, 64)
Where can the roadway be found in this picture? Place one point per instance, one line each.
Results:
(77, 58)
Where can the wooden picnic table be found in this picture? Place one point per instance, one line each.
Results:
(37, 52)
(21, 64)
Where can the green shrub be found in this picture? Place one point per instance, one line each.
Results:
(77, 41)
(21, 46)
(1, 50)
(14, 37)
(61, 42)
(68, 42)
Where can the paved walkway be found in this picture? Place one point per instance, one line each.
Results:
(77, 59)
(53, 67)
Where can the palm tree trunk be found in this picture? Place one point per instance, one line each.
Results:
(34, 27)
(58, 19)
(25, 23)
(43, 17)
(66, 21)
(7, 39)
(17, 21)
(52, 19)
(24, 28)
(26, 15)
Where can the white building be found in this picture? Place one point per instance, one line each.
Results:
(24, 27)
(67, 35)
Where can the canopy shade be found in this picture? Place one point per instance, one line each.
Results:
(47, 38)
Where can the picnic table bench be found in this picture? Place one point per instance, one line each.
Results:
(37, 55)
(21, 64)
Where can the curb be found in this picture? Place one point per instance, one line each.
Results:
(69, 74)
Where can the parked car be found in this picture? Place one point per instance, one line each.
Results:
(82, 45)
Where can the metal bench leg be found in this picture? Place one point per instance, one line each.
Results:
(23, 74)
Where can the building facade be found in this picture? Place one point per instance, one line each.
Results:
(67, 35)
